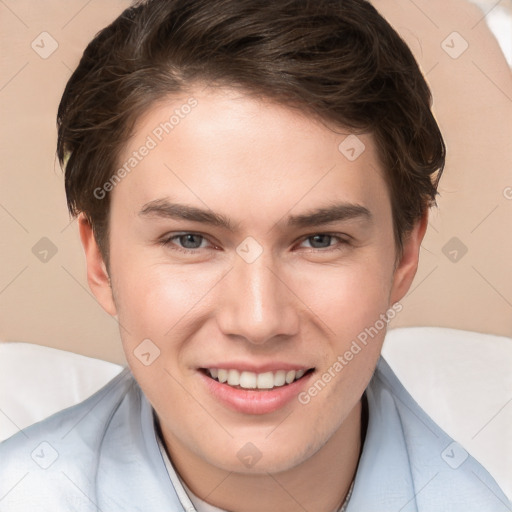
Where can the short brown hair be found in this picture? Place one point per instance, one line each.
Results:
(336, 59)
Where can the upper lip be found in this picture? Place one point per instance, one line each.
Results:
(256, 368)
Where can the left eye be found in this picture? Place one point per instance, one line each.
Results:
(320, 240)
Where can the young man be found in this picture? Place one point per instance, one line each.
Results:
(252, 181)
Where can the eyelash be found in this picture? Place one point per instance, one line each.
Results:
(167, 242)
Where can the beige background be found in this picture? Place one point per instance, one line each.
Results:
(49, 303)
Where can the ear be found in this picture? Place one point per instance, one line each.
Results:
(97, 275)
(408, 264)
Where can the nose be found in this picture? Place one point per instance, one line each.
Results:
(257, 303)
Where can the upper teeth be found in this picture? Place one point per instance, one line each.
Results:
(251, 380)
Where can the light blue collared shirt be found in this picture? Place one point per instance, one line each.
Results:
(103, 454)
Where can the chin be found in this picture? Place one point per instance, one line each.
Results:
(262, 456)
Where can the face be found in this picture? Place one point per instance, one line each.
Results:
(246, 245)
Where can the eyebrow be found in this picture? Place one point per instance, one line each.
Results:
(337, 212)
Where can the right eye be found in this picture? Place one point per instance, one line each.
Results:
(190, 242)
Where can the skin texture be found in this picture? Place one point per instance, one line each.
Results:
(302, 301)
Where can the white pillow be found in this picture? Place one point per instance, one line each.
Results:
(462, 379)
(36, 381)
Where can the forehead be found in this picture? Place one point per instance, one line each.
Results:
(223, 148)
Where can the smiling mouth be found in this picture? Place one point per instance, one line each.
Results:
(265, 381)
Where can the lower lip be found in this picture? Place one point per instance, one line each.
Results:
(251, 401)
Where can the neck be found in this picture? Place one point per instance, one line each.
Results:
(320, 483)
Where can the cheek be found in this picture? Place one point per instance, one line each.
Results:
(157, 300)
(158, 308)
(349, 303)
(348, 298)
